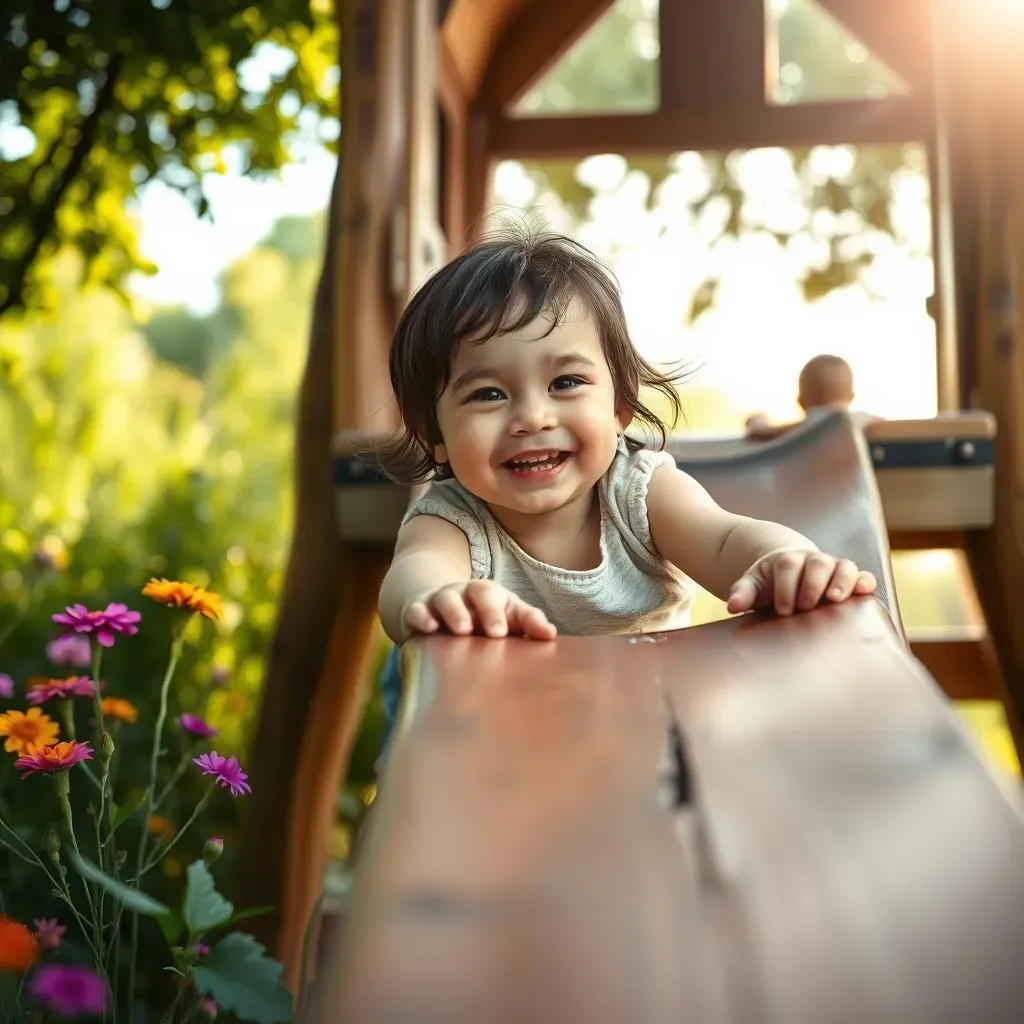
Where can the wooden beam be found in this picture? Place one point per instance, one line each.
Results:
(962, 661)
(534, 41)
(471, 30)
(454, 109)
(900, 39)
(862, 122)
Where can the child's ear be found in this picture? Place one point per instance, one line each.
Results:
(623, 418)
(440, 454)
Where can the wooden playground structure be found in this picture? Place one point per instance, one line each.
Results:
(777, 820)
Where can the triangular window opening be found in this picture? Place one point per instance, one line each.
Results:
(813, 57)
(612, 68)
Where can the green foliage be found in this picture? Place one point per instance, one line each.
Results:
(205, 908)
(615, 68)
(108, 99)
(243, 980)
(130, 898)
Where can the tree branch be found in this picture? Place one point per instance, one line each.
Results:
(46, 216)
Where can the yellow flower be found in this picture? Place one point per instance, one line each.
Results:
(117, 707)
(184, 595)
(27, 731)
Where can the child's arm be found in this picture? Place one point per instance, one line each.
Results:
(748, 562)
(430, 585)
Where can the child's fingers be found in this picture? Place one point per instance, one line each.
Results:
(866, 583)
(786, 570)
(844, 579)
(530, 621)
(488, 602)
(818, 570)
(418, 619)
(742, 596)
(450, 606)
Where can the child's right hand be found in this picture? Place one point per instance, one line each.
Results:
(480, 606)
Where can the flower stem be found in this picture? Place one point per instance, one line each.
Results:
(97, 700)
(160, 854)
(63, 783)
(177, 643)
(67, 716)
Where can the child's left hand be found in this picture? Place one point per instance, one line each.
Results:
(793, 579)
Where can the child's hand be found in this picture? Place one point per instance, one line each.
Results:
(481, 606)
(796, 580)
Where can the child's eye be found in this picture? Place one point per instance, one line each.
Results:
(486, 395)
(566, 383)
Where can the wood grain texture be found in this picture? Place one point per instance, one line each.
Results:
(845, 855)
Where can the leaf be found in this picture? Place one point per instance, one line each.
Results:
(171, 925)
(133, 899)
(126, 810)
(205, 908)
(244, 915)
(243, 981)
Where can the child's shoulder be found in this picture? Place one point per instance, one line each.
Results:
(626, 483)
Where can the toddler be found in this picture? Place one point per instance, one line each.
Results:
(519, 390)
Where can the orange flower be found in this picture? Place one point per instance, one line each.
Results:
(27, 731)
(184, 595)
(117, 707)
(161, 827)
(18, 946)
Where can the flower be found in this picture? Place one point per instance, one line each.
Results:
(225, 770)
(49, 932)
(179, 594)
(201, 950)
(27, 731)
(56, 758)
(160, 826)
(209, 1008)
(18, 946)
(70, 991)
(118, 707)
(195, 726)
(69, 649)
(115, 618)
(6, 685)
(212, 849)
(73, 686)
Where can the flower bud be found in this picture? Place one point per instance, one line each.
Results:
(107, 747)
(212, 849)
(52, 842)
(208, 1008)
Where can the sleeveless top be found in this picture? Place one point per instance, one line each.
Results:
(632, 590)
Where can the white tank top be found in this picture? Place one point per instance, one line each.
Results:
(632, 590)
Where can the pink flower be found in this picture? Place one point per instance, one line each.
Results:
(75, 686)
(225, 770)
(6, 685)
(114, 619)
(195, 726)
(70, 991)
(48, 932)
(69, 649)
(201, 950)
(209, 1008)
(57, 757)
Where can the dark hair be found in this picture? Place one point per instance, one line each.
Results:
(497, 285)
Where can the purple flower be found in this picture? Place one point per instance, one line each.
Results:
(70, 991)
(69, 649)
(114, 619)
(195, 726)
(6, 685)
(49, 932)
(201, 950)
(226, 771)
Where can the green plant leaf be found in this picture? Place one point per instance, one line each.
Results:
(133, 899)
(244, 981)
(205, 908)
(171, 925)
(244, 915)
(126, 810)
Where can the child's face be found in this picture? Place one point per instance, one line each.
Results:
(528, 418)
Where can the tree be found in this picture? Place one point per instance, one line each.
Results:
(102, 101)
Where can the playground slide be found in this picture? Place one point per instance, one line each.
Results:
(756, 820)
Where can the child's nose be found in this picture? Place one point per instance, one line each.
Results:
(530, 416)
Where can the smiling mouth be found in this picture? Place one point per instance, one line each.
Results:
(540, 462)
